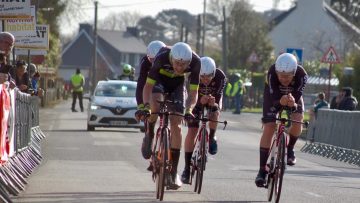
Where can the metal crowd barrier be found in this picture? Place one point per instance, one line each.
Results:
(335, 135)
(23, 151)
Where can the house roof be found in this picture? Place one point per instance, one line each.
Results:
(72, 58)
(123, 41)
(308, 27)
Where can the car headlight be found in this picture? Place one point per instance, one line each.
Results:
(94, 107)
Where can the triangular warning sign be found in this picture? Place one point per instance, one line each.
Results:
(253, 58)
(330, 56)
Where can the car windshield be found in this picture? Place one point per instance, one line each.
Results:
(115, 90)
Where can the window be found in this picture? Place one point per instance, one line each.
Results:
(115, 90)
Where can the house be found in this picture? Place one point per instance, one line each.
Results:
(311, 26)
(113, 49)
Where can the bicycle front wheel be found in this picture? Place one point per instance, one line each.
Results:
(202, 162)
(280, 168)
(163, 156)
(270, 180)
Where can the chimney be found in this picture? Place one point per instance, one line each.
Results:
(133, 31)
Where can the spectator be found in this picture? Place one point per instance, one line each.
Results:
(348, 101)
(77, 83)
(21, 76)
(237, 93)
(34, 83)
(319, 103)
(7, 41)
(227, 95)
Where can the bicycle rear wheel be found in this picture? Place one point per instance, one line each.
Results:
(202, 162)
(280, 168)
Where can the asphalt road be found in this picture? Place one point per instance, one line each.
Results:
(106, 166)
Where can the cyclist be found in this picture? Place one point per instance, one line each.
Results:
(145, 65)
(284, 85)
(127, 72)
(212, 83)
(167, 76)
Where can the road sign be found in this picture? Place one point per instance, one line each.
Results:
(330, 56)
(298, 53)
(253, 58)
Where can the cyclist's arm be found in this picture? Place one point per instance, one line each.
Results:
(151, 81)
(300, 81)
(273, 86)
(144, 69)
(194, 82)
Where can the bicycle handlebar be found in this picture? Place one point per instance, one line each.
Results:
(284, 120)
(207, 120)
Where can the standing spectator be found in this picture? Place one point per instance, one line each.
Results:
(7, 41)
(237, 93)
(227, 95)
(348, 101)
(34, 83)
(21, 76)
(77, 83)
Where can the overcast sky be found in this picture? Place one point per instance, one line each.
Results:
(152, 7)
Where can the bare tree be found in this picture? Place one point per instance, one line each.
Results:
(119, 21)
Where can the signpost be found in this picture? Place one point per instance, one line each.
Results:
(330, 57)
(298, 53)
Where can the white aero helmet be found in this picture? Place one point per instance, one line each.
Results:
(286, 63)
(181, 52)
(208, 66)
(154, 47)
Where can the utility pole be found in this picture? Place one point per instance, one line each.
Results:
(203, 31)
(224, 41)
(93, 78)
(198, 34)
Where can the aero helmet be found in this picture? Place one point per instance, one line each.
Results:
(181, 51)
(154, 47)
(286, 63)
(208, 66)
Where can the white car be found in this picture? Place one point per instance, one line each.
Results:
(113, 104)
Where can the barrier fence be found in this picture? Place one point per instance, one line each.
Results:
(20, 137)
(334, 134)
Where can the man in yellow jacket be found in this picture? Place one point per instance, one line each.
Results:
(237, 93)
(77, 83)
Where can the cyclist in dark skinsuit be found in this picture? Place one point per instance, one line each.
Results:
(167, 76)
(145, 65)
(284, 86)
(212, 83)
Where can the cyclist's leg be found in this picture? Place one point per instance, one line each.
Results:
(269, 126)
(149, 135)
(193, 127)
(214, 115)
(177, 94)
(294, 132)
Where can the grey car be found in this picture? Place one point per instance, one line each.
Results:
(113, 104)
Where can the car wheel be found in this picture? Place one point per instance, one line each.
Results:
(142, 129)
(90, 128)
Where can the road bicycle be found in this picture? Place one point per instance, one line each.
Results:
(276, 162)
(200, 153)
(161, 156)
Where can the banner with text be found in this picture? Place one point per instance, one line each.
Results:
(21, 27)
(15, 9)
(38, 41)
